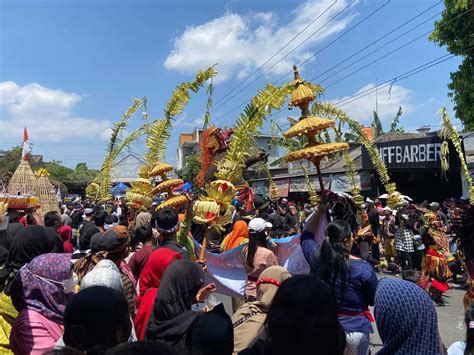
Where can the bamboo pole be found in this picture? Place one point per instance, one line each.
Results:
(202, 254)
(320, 178)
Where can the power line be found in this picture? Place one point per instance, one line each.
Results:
(389, 82)
(305, 61)
(383, 56)
(337, 38)
(278, 52)
(378, 40)
(286, 55)
(378, 59)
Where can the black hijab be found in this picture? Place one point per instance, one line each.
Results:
(28, 243)
(172, 316)
(212, 333)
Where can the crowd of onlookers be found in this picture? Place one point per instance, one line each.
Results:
(90, 281)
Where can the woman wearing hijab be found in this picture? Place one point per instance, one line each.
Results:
(171, 319)
(65, 232)
(28, 243)
(96, 319)
(249, 319)
(302, 320)
(40, 293)
(212, 333)
(149, 282)
(113, 245)
(238, 236)
(406, 319)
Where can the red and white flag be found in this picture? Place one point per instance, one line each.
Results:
(26, 146)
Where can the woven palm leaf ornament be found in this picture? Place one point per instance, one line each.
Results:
(394, 199)
(350, 171)
(309, 126)
(140, 196)
(100, 188)
(448, 131)
(274, 193)
(46, 193)
(214, 207)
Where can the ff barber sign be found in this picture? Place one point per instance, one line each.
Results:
(411, 154)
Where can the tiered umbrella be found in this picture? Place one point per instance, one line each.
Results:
(309, 126)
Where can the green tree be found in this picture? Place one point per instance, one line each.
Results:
(377, 126)
(57, 171)
(455, 30)
(82, 175)
(9, 162)
(395, 121)
(192, 168)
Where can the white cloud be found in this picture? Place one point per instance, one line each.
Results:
(362, 108)
(241, 43)
(47, 113)
(184, 121)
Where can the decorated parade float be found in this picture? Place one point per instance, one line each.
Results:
(23, 190)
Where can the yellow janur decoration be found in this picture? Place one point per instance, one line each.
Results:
(309, 126)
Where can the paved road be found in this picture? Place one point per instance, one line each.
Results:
(450, 317)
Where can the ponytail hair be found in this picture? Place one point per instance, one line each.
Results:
(330, 263)
(469, 319)
(255, 240)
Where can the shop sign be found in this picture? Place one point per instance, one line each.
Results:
(418, 153)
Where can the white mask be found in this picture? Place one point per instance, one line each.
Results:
(69, 285)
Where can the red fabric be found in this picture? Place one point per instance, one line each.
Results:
(145, 306)
(26, 146)
(440, 286)
(433, 252)
(65, 232)
(24, 221)
(365, 313)
(138, 260)
(126, 269)
(149, 282)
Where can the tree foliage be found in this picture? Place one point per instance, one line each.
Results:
(192, 168)
(455, 31)
(159, 131)
(58, 173)
(9, 162)
(395, 121)
(377, 126)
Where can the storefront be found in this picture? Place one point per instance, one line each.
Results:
(415, 166)
(296, 187)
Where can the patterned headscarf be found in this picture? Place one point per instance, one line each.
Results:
(406, 319)
(38, 286)
(106, 274)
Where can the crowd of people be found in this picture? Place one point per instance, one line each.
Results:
(98, 279)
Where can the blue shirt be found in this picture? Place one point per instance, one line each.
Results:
(359, 291)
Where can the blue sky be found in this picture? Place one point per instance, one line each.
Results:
(68, 69)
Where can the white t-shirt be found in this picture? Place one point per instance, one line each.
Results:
(457, 348)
